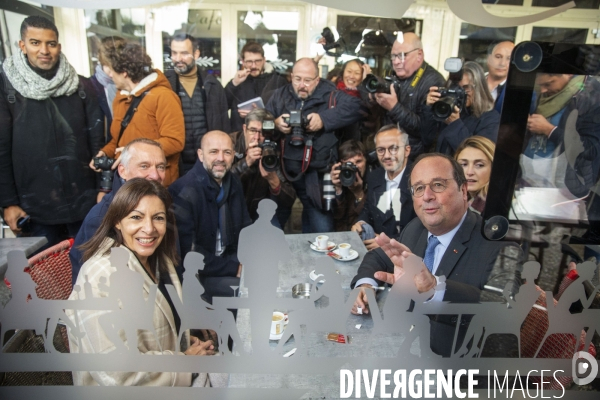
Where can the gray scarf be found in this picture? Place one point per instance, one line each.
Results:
(32, 86)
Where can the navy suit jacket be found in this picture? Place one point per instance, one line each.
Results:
(467, 264)
(380, 221)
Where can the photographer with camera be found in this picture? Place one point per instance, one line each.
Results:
(408, 90)
(258, 166)
(349, 180)
(464, 109)
(308, 111)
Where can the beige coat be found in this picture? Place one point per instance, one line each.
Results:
(96, 341)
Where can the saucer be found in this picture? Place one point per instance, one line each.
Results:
(352, 256)
(330, 246)
(313, 276)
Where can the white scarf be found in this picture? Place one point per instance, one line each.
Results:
(32, 86)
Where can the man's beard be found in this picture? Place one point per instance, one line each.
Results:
(184, 70)
(216, 175)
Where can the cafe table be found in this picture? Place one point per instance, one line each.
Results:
(26, 244)
(313, 347)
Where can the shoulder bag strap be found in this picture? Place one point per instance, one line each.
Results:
(132, 109)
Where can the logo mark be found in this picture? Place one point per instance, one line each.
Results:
(584, 368)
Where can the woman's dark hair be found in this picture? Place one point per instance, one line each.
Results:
(124, 202)
(130, 58)
(351, 148)
(340, 74)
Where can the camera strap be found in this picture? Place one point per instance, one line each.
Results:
(417, 78)
(129, 114)
(305, 159)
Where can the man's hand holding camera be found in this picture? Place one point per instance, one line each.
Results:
(270, 176)
(283, 126)
(315, 123)
(387, 101)
(253, 153)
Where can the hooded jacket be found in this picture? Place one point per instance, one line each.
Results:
(158, 117)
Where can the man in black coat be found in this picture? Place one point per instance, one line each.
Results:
(203, 99)
(324, 110)
(210, 210)
(50, 127)
(405, 101)
(256, 79)
(446, 234)
(389, 205)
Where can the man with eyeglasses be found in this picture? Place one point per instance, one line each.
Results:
(256, 78)
(308, 156)
(202, 97)
(403, 103)
(388, 208)
(259, 184)
(446, 234)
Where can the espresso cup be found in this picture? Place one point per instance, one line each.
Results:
(277, 323)
(344, 249)
(322, 242)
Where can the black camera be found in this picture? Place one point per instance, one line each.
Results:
(453, 95)
(105, 164)
(298, 123)
(270, 153)
(375, 84)
(347, 173)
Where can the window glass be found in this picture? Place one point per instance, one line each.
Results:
(556, 3)
(205, 27)
(371, 38)
(562, 35)
(475, 40)
(276, 31)
(127, 23)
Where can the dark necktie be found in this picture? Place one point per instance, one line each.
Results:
(430, 252)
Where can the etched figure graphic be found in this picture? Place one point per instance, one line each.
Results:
(261, 248)
(135, 313)
(402, 311)
(496, 318)
(560, 319)
(195, 312)
(25, 310)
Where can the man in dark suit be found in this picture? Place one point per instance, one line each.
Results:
(388, 207)
(446, 234)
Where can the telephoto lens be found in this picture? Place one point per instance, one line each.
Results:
(328, 191)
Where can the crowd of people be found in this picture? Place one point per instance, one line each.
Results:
(183, 130)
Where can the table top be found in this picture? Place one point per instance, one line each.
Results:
(26, 244)
(304, 259)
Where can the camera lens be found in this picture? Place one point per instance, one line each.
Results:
(371, 83)
(443, 108)
(347, 177)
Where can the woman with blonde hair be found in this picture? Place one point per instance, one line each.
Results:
(476, 155)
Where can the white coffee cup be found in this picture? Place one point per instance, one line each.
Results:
(277, 323)
(322, 241)
(344, 249)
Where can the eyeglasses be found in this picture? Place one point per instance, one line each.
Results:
(402, 56)
(254, 131)
(252, 62)
(306, 81)
(392, 149)
(468, 88)
(437, 185)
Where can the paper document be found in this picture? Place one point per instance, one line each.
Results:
(251, 104)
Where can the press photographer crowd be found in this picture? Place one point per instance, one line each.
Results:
(404, 155)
